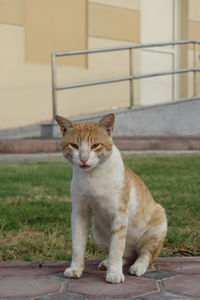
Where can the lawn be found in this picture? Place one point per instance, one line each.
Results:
(35, 206)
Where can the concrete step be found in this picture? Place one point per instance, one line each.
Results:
(174, 143)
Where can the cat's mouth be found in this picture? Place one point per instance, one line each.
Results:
(85, 167)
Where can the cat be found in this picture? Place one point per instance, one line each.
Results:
(126, 222)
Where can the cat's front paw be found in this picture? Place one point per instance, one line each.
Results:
(73, 273)
(114, 277)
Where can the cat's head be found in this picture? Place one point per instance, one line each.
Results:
(87, 144)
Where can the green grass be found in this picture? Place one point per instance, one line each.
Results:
(35, 206)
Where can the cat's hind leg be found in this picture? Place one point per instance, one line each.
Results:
(103, 265)
(148, 248)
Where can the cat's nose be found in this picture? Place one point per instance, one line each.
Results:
(84, 160)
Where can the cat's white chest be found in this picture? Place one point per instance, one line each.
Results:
(102, 186)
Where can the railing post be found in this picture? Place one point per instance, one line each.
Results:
(195, 78)
(131, 80)
(53, 72)
(173, 77)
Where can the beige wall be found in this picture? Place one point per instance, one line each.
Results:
(25, 85)
(61, 25)
(193, 33)
(100, 66)
(25, 92)
(26, 44)
(194, 10)
(194, 19)
(12, 12)
(49, 26)
(31, 29)
(114, 23)
(127, 4)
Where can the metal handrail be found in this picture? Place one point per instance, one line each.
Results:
(130, 77)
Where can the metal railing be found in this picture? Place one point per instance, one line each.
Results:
(131, 77)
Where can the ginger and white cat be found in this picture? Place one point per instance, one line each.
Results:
(127, 223)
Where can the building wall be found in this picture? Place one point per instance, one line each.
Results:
(108, 21)
(31, 29)
(24, 88)
(194, 34)
(117, 22)
(53, 26)
(12, 12)
(25, 84)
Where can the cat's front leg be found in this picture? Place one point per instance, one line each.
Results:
(117, 244)
(80, 227)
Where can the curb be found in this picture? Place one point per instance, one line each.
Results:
(165, 143)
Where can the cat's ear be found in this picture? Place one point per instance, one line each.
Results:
(107, 123)
(64, 124)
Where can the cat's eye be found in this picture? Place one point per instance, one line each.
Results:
(75, 146)
(95, 146)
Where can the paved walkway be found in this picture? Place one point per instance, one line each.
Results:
(168, 278)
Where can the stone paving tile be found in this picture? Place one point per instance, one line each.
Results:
(96, 287)
(62, 296)
(158, 275)
(19, 264)
(24, 272)
(188, 267)
(27, 288)
(180, 260)
(185, 285)
(162, 296)
(55, 264)
(60, 276)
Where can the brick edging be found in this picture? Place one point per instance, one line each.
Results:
(14, 146)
